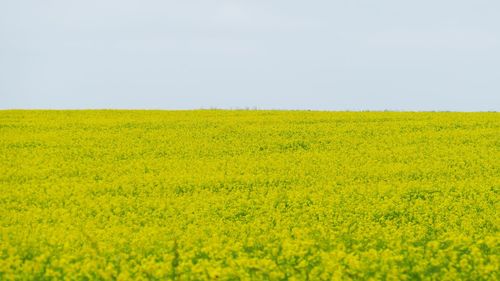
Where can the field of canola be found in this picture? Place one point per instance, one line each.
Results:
(249, 195)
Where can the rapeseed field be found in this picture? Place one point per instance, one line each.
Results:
(249, 195)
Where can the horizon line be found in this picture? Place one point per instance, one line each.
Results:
(250, 109)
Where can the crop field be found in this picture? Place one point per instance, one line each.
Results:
(249, 195)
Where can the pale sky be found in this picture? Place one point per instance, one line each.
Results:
(186, 54)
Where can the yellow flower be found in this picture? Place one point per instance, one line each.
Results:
(248, 195)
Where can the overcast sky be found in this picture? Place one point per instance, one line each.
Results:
(334, 55)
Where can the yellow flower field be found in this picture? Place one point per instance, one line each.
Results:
(249, 195)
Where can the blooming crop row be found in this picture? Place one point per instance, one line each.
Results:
(249, 195)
